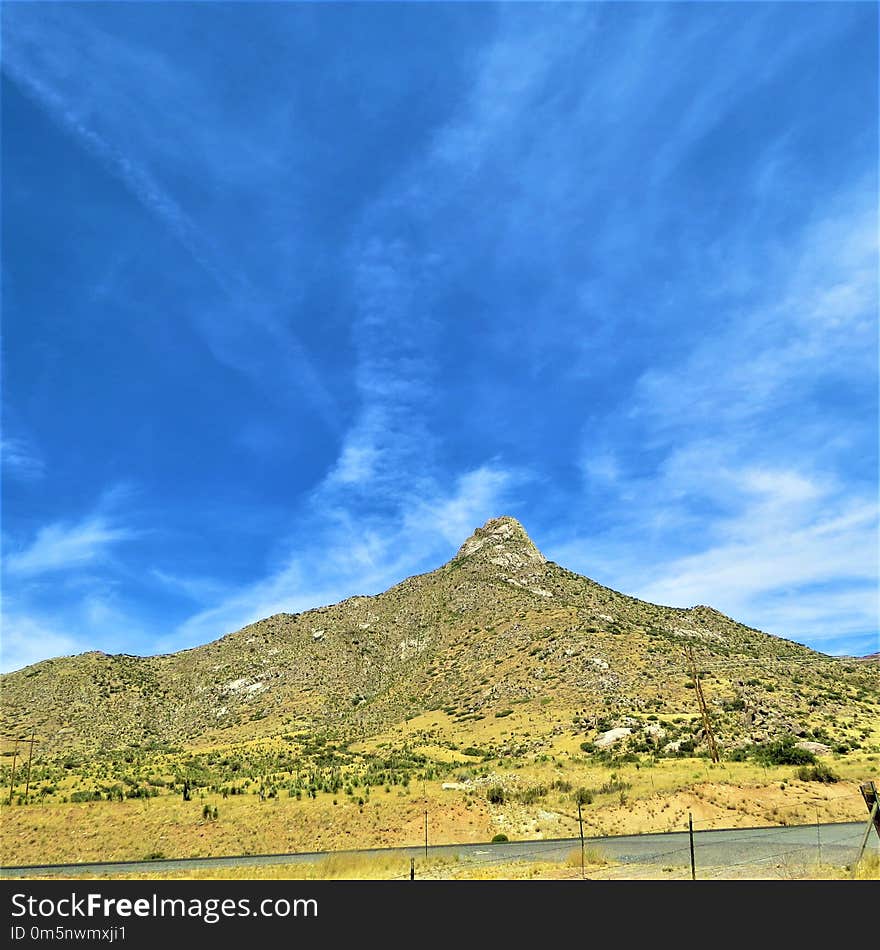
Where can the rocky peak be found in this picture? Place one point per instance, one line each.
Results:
(503, 542)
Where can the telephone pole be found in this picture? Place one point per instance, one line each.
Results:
(872, 800)
(27, 786)
(704, 709)
(425, 797)
(12, 777)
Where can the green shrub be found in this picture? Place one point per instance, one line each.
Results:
(817, 773)
(499, 838)
(531, 795)
(583, 796)
(614, 785)
(495, 795)
(85, 796)
(783, 752)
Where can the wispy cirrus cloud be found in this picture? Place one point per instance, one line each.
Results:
(21, 461)
(735, 476)
(785, 550)
(345, 553)
(591, 280)
(133, 127)
(200, 589)
(813, 321)
(64, 546)
(27, 640)
(98, 617)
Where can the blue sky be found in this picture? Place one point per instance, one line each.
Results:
(295, 296)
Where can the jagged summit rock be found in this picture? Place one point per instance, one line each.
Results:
(504, 542)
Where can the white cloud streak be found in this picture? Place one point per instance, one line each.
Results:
(133, 127)
(62, 547)
(350, 554)
(28, 640)
(20, 461)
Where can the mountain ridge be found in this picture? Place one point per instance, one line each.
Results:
(496, 624)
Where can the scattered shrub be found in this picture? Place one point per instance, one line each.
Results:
(531, 795)
(495, 795)
(783, 752)
(85, 796)
(817, 773)
(583, 796)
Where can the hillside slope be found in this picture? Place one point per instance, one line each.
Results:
(497, 625)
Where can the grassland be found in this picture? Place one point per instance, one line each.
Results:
(538, 802)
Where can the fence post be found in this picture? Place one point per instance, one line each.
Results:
(581, 825)
(691, 836)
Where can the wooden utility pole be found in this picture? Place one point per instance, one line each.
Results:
(581, 825)
(691, 836)
(872, 800)
(425, 796)
(704, 709)
(27, 785)
(12, 777)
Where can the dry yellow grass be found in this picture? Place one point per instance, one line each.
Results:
(592, 857)
(659, 799)
(396, 867)
(868, 869)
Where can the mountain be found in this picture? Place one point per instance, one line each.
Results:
(496, 628)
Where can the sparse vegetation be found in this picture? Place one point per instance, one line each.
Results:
(592, 857)
(784, 751)
(817, 773)
(414, 689)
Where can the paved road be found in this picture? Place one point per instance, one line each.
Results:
(837, 843)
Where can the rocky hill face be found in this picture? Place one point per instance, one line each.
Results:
(497, 625)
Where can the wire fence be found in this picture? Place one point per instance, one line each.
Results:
(837, 851)
(792, 850)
